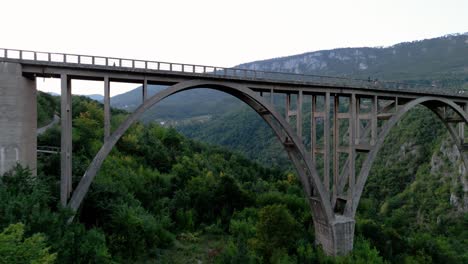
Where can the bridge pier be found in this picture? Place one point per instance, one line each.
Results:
(18, 123)
(336, 238)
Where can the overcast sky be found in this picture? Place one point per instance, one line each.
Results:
(217, 32)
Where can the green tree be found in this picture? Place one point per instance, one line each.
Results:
(276, 230)
(15, 248)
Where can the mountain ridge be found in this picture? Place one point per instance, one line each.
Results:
(439, 61)
(447, 53)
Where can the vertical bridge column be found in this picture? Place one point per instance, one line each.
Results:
(66, 140)
(107, 113)
(18, 112)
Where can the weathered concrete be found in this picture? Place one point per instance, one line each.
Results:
(17, 119)
(336, 238)
(66, 140)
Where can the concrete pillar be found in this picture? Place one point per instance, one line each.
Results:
(337, 236)
(107, 112)
(374, 111)
(326, 144)
(353, 123)
(145, 90)
(299, 114)
(336, 145)
(18, 113)
(313, 129)
(66, 140)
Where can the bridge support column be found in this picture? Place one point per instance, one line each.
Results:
(66, 140)
(336, 238)
(18, 123)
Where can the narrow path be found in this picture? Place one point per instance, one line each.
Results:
(43, 129)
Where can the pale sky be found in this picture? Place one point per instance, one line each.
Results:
(217, 32)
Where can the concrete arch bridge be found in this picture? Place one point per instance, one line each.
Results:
(354, 115)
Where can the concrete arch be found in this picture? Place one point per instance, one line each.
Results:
(308, 175)
(426, 101)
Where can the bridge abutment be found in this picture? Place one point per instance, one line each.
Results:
(18, 111)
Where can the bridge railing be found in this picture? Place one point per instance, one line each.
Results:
(48, 149)
(236, 73)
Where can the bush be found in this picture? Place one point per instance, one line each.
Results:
(276, 229)
(15, 248)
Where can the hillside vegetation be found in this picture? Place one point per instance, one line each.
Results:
(163, 198)
(440, 59)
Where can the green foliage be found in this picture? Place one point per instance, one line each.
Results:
(162, 197)
(276, 230)
(15, 248)
(236, 253)
(79, 245)
(362, 253)
(29, 200)
(136, 232)
(242, 130)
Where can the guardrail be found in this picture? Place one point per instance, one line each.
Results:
(238, 73)
(48, 149)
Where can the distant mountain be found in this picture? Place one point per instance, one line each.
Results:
(187, 104)
(96, 97)
(442, 61)
(439, 59)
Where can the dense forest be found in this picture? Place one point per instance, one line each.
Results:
(163, 198)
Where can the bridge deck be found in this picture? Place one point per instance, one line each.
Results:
(47, 64)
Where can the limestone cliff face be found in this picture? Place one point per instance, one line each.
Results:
(432, 59)
(319, 62)
(447, 163)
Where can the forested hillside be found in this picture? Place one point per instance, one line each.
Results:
(186, 105)
(163, 198)
(442, 60)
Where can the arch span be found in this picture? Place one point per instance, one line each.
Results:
(308, 175)
(430, 102)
